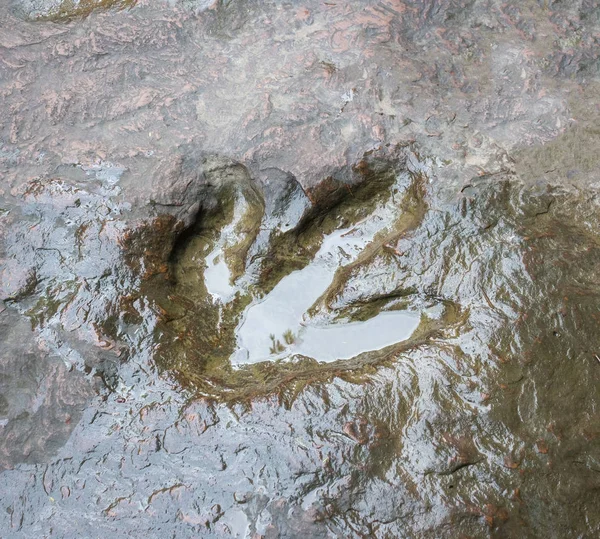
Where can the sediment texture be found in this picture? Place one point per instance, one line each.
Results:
(133, 134)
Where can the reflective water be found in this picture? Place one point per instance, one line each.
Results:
(218, 277)
(280, 325)
(344, 341)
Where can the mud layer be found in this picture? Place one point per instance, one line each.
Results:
(195, 196)
(503, 287)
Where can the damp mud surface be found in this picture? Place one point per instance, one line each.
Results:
(279, 270)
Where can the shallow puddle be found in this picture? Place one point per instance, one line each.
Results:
(279, 325)
(217, 275)
(344, 341)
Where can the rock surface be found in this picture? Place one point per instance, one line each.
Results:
(135, 143)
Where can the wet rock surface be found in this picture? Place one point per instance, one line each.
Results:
(167, 167)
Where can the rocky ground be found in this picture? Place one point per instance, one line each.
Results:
(137, 138)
